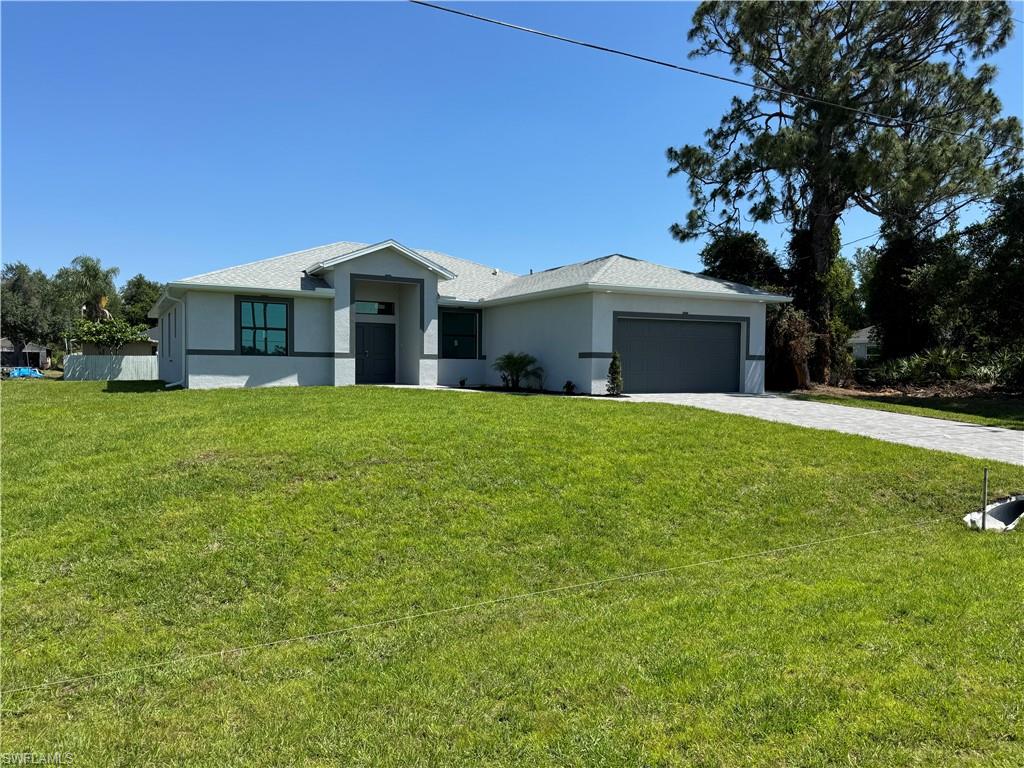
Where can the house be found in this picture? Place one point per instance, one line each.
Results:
(862, 344)
(33, 355)
(350, 313)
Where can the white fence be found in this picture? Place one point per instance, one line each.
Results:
(111, 368)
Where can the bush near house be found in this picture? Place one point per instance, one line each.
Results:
(615, 384)
(517, 367)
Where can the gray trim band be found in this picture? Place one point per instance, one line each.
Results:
(232, 353)
(596, 355)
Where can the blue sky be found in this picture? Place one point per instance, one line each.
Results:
(171, 139)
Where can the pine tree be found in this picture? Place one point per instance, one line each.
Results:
(615, 375)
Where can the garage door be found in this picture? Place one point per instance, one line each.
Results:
(678, 355)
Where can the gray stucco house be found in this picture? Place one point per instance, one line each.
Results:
(350, 313)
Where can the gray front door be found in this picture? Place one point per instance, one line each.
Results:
(375, 353)
(678, 355)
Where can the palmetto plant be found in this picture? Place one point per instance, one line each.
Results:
(515, 367)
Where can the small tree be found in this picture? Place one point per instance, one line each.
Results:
(615, 376)
(517, 366)
(109, 335)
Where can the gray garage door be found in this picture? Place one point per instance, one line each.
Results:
(678, 355)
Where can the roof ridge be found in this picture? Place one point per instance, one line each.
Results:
(467, 261)
(609, 260)
(269, 258)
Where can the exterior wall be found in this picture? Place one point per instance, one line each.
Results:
(386, 264)
(170, 352)
(555, 331)
(211, 325)
(753, 348)
(450, 372)
(211, 371)
(111, 368)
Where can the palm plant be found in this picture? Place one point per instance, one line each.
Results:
(515, 367)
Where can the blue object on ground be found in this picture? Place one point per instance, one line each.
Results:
(25, 373)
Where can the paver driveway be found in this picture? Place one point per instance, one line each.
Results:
(976, 440)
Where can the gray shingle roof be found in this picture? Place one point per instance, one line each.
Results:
(473, 281)
(624, 272)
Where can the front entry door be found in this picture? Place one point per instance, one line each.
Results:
(375, 353)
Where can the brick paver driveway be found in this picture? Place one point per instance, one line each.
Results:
(975, 440)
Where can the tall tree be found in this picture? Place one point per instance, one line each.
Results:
(742, 257)
(89, 287)
(926, 137)
(26, 305)
(137, 296)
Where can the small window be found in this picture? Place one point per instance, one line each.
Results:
(459, 332)
(375, 307)
(264, 327)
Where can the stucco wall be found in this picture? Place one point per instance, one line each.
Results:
(387, 263)
(606, 304)
(211, 371)
(553, 330)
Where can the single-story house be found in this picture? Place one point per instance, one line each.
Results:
(33, 355)
(863, 344)
(350, 313)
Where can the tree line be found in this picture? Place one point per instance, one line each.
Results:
(950, 304)
(79, 302)
(883, 106)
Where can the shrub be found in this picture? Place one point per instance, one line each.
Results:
(569, 388)
(615, 384)
(515, 367)
(110, 334)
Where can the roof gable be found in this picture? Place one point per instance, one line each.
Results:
(408, 253)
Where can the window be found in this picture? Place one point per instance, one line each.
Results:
(375, 308)
(459, 335)
(264, 327)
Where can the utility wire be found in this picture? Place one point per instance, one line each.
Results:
(463, 607)
(702, 73)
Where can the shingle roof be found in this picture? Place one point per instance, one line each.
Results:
(475, 282)
(620, 271)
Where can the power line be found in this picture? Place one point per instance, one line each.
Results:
(701, 72)
(857, 240)
(466, 607)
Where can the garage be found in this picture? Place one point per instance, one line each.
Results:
(675, 355)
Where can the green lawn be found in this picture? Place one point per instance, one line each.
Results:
(143, 525)
(1005, 412)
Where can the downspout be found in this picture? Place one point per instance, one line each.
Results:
(184, 346)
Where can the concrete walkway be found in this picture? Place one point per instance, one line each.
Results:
(974, 440)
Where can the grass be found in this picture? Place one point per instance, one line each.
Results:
(1007, 412)
(141, 525)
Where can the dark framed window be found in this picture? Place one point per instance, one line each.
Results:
(460, 333)
(263, 327)
(375, 307)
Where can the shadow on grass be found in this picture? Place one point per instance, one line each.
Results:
(135, 387)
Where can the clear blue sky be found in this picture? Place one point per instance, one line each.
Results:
(171, 139)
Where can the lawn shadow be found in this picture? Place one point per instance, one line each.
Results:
(134, 387)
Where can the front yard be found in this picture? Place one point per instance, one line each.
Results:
(142, 525)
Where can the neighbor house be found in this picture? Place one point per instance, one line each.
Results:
(349, 313)
(863, 344)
